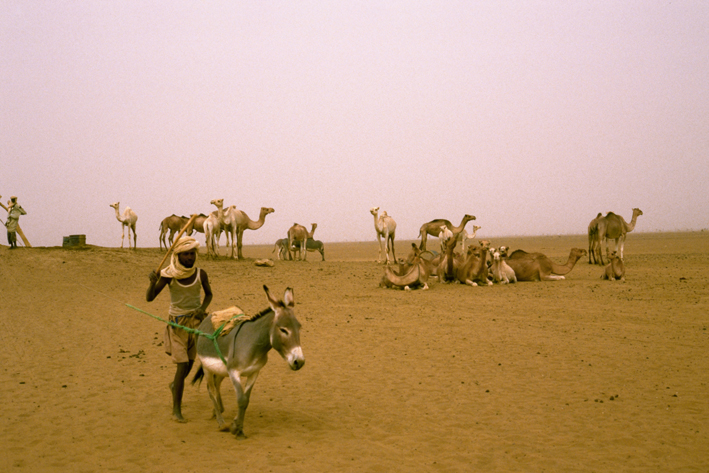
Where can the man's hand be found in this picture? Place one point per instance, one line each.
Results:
(153, 276)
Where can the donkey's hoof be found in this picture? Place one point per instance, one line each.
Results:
(224, 428)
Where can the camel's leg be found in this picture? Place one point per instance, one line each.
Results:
(239, 241)
(552, 277)
(123, 233)
(622, 245)
(135, 239)
(391, 244)
(379, 239)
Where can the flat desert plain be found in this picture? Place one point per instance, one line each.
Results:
(574, 375)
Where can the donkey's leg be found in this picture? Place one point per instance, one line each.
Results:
(242, 386)
(213, 384)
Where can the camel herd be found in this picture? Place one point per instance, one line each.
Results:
(475, 265)
(484, 265)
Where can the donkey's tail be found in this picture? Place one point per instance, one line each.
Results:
(198, 376)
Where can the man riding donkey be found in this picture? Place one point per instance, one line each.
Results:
(185, 282)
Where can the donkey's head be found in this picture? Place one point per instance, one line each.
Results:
(285, 330)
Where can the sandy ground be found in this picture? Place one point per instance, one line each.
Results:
(575, 375)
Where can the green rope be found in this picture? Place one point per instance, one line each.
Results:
(213, 337)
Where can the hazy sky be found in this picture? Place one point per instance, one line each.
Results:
(531, 115)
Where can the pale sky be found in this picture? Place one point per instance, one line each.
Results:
(531, 115)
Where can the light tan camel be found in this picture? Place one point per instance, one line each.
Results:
(226, 224)
(539, 267)
(298, 236)
(128, 220)
(464, 236)
(239, 222)
(172, 224)
(433, 228)
(615, 269)
(614, 227)
(594, 243)
(212, 231)
(385, 226)
(501, 271)
(414, 275)
(446, 236)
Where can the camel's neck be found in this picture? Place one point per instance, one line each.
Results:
(118, 214)
(564, 269)
(378, 224)
(631, 226)
(460, 227)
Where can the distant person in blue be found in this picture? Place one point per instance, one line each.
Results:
(14, 210)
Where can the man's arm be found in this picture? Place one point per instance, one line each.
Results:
(207, 293)
(156, 285)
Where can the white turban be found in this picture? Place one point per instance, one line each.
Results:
(176, 270)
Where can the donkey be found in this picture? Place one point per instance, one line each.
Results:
(245, 349)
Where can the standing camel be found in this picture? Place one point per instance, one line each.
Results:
(385, 226)
(173, 224)
(299, 235)
(593, 240)
(433, 228)
(614, 227)
(128, 219)
(242, 222)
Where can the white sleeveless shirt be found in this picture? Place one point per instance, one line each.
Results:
(185, 298)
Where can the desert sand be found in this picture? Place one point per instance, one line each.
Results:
(574, 375)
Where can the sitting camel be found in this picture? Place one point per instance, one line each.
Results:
(446, 268)
(615, 269)
(433, 228)
(385, 226)
(128, 220)
(473, 270)
(538, 267)
(415, 275)
(501, 271)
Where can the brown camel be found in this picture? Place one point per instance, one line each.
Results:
(173, 224)
(433, 228)
(615, 269)
(539, 267)
(415, 275)
(298, 235)
(614, 227)
(594, 244)
(473, 270)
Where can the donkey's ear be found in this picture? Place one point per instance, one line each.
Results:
(271, 301)
(288, 298)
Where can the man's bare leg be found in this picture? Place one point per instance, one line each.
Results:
(178, 387)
